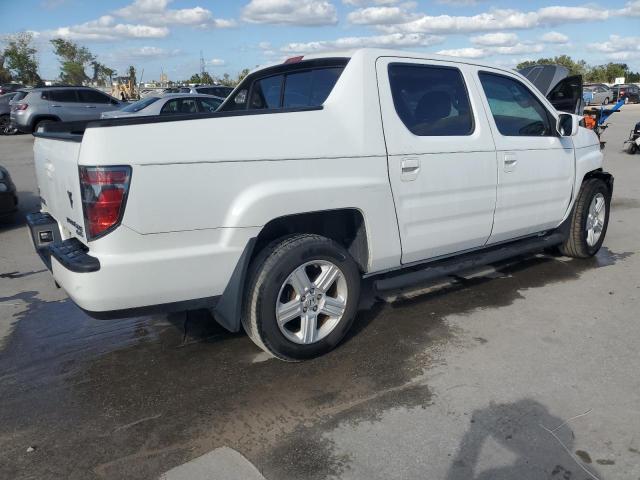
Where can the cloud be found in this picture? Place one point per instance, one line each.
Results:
(555, 37)
(497, 19)
(619, 48)
(495, 39)
(216, 62)
(394, 40)
(149, 52)
(291, 12)
(363, 3)
(631, 9)
(379, 16)
(106, 28)
(155, 12)
(468, 52)
(458, 3)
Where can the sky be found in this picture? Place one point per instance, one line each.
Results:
(169, 35)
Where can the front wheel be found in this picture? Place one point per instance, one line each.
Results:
(302, 297)
(589, 220)
(606, 101)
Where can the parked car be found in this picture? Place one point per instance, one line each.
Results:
(10, 87)
(395, 166)
(597, 95)
(5, 110)
(40, 106)
(629, 92)
(175, 104)
(8, 196)
(216, 90)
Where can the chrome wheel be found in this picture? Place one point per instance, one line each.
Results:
(311, 302)
(595, 219)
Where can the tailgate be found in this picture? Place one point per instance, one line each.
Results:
(56, 164)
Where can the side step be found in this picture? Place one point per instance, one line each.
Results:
(441, 268)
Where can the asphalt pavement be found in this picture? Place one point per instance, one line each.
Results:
(524, 370)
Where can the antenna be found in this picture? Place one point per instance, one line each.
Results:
(201, 64)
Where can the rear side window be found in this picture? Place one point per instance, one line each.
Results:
(91, 96)
(516, 111)
(62, 96)
(20, 95)
(431, 101)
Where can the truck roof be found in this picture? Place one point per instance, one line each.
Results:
(373, 53)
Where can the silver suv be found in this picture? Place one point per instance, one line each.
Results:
(32, 108)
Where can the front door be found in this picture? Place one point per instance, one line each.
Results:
(441, 156)
(535, 165)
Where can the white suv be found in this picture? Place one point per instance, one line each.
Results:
(312, 175)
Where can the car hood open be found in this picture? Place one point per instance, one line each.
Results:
(563, 90)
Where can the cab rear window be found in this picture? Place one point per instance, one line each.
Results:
(293, 86)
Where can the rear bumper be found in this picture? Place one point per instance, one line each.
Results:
(126, 274)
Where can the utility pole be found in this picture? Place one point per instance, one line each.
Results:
(201, 64)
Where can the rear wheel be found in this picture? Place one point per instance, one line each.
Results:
(5, 128)
(630, 147)
(42, 123)
(606, 101)
(302, 297)
(589, 220)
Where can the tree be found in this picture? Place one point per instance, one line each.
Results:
(5, 75)
(101, 73)
(20, 57)
(606, 73)
(206, 78)
(579, 67)
(195, 78)
(73, 60)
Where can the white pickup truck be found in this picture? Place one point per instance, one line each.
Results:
(315, 174)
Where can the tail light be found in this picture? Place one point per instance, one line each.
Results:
(104, 194)
(20, 106)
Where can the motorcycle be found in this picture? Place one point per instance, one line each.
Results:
(632, 145)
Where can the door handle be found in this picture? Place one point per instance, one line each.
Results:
(510, 162)
(89, 106)
(56, 106)
(410, 168)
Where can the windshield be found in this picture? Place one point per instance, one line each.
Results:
(139, 105)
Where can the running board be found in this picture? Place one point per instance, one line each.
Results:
(449, 266)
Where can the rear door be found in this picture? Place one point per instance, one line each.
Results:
(442, 159)
(535, 164)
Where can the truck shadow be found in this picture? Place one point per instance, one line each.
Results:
(541, 443)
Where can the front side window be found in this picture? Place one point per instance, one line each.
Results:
(91, 96)
(430, 100)
(209, 105)
(266, 93)
(140, 104)
(516, 111)
(63, 96)
(179, 106)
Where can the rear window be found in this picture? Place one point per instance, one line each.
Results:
(297, 87)
(140, 104)
(217, 91)
(19, 96)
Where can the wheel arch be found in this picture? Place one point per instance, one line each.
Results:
(346, 226)
(39, 118)
(606, 177)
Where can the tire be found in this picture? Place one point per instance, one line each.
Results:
(630, 148)
(41, 123)
(606, 101)
(577, 243)
(271, 280)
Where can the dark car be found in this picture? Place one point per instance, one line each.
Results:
(10, 87)
(5, 109)
(629, 92)
(8, 197)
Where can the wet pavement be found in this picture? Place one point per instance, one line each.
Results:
(476, 377)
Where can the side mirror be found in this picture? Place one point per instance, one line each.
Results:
(567, 124)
